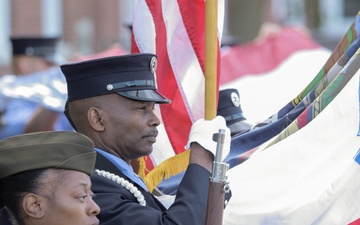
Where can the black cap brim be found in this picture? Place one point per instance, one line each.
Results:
(145, 95)
(240, 127)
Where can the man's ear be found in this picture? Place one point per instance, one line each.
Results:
(33, 205)
(95, 119)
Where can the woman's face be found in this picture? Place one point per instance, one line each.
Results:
(72, 202)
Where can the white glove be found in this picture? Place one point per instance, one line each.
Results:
(202, 132)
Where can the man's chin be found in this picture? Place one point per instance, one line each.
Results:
(147, 151)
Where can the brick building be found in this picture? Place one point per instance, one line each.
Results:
(90, 26)
(86, 26)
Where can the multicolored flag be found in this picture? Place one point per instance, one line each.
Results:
(310, 106)
(321, 102)
(245, 144)
(311, 177)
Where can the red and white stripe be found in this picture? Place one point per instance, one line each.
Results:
(175, 32)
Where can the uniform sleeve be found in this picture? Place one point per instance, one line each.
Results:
(118, 206)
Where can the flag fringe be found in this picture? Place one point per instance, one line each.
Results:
(166, 169)
(141, 170)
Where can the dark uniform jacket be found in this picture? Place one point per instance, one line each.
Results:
(119, 207)
(4, 218)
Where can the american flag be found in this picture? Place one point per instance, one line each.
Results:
(175, 32)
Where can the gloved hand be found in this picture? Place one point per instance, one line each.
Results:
(202, 132)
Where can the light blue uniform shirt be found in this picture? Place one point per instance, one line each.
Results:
(123, 167)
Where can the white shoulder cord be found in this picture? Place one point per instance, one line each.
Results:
(126, 184)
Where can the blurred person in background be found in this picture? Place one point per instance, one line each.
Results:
(26, 93)
(33, 54)
(229, 107)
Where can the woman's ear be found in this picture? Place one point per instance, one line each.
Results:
(33, 206)
(95, 118)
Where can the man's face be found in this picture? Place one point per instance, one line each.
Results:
(129, 126)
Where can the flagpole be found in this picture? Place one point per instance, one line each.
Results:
(211, 49)
(216, 194)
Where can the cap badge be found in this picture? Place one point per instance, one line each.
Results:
(235, 99)
(29, 51)
(109, 87)
(153, 65)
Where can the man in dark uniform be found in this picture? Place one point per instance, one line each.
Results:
(112, 100)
